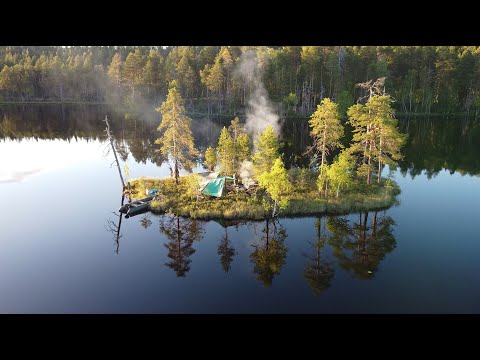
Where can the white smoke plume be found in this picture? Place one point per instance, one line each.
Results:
(246, 173)
(260, 112)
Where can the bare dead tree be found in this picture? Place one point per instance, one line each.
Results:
(372, 88)
(110, 139)
(114, 228)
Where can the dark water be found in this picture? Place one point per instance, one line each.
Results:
(60, 251)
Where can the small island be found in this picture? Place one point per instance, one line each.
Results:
(340, 179)
(182, 201)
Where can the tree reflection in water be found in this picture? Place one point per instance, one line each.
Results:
(145, 221)
(181, 233)
(226, 252)
(225, 249)
(114, 227)
(318, 272)
(269, 256)
(360, 247)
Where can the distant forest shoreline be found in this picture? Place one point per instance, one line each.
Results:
(194, 114)
(421, 79)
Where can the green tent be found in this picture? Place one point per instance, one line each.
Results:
(215, 187)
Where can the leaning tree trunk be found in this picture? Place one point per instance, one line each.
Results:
(324, 150)
(110, 138)
(365, 147)
(274, 208)
(380, 159)
(379, 171)
(369, 180)
(369, 170)
(176, 172)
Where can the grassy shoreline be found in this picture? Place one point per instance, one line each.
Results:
(241, 206)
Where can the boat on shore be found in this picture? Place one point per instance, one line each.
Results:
(136, 207)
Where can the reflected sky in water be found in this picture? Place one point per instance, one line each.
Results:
(31, 157)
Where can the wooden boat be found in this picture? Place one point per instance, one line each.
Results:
(136, 207)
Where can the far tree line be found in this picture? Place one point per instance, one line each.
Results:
(421, 79)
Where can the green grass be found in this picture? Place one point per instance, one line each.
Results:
(182, 200)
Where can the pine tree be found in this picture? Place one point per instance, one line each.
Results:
(363, 138)
(177, 139)
(326, 131)
(210, 158)
(388, 140)
(376, 136)
(241, 143)
(225, 151)
(242, 147)
(185, 72)
(133, 69)
(214, 77)
(154, 72)
(267, 151)
(340, 173)
(276, 184)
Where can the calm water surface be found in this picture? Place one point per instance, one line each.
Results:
(60, 253)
